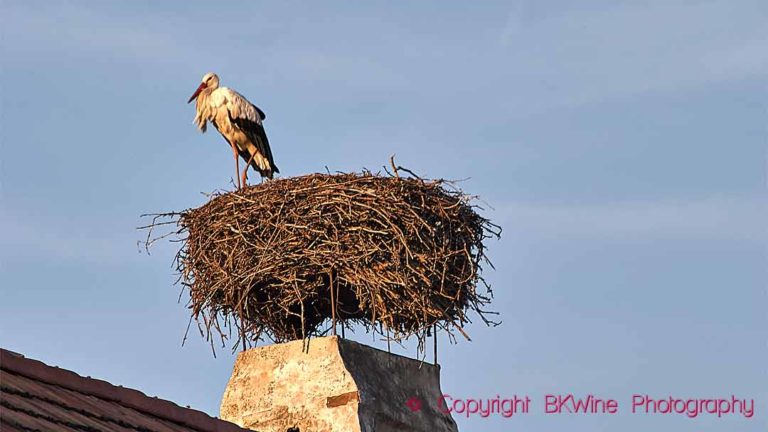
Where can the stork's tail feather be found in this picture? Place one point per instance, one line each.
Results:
(268, 173)
(265, 169)
(259, 163)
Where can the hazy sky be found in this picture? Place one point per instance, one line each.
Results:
(621, 145)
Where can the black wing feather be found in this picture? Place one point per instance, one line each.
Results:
(261, 113)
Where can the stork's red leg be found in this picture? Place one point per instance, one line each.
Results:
(247, 164)
(237, 166)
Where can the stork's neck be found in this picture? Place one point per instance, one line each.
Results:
(202, 98)
(206, 92)
(203, 110)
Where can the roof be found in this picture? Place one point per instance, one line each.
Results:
(38, 397)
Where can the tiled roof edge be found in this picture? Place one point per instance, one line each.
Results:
(161, 408)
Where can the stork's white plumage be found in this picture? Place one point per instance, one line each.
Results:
(239, 122)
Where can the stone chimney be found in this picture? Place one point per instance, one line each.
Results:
(337, 385)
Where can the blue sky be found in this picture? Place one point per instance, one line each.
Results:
(622, 147)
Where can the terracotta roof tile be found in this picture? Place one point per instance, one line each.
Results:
(38, 397)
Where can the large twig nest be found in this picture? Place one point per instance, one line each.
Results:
(397, 255)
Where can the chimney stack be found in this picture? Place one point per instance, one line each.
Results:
(336, 385)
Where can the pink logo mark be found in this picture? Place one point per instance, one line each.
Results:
(414, 404)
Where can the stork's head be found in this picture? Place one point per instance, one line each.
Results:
(210, 81)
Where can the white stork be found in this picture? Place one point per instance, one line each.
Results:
(239, 122)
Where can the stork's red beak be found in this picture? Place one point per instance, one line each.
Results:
(197, 92)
